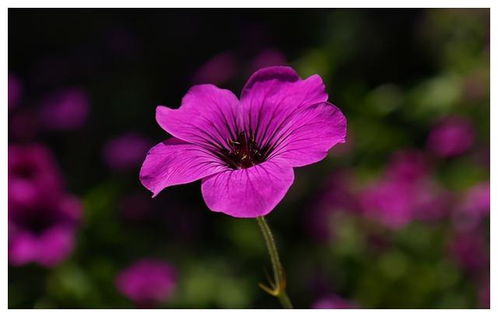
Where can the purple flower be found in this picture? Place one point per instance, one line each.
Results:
(33, 174)
(42, 218)
(147, 282)
(473, 208)
(431, 202)
(389, 202)
(469, 251)
(396, 203)
(43, 233)
(451, 137)
(408, 164)
(217, 70)
(245, 151)
(15, 90)
(65, 110)
(126, 151)
(333, 302)
(477, 200)
(405, 193)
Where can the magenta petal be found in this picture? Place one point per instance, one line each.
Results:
(281, 74)
(207, 115)
(174, 162)
(248, 193)
(147, 282)
(281, 87)
(23, 248)
(273, 95)
(55, 245)
(310, 133)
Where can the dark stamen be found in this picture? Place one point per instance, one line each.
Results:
(243, 152)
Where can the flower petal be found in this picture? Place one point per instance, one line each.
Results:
(272, 95)
(207, 115)
(174, 162)
(283, 74)
(250, 192)
(309, 134)
(55, 245)
(23, 248)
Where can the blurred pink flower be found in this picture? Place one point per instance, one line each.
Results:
(44, 232)
(389, 202)
(14, 91)
(245, 151)
(408, 164)
(452, 136)
(33, 174)
(126, 151)
(333, 302)
(217, 70)
(405, 193)
(268, 57)
(469, 250)
(477, 200)
(147, 282)
(42, 218)
(65, 110)
(473, 208)
(431, 201)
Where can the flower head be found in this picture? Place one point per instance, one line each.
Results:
(405, 193)
(389, 202)
(245, 150)
(451, 137)
(469, 250)
(477, 200)
(408, 164)
(474, 207)
(43, 232)
(42, 218)
(33, 174)
(147, 282)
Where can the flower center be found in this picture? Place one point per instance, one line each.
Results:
(36, 220)
(243, 152)
(24, 171)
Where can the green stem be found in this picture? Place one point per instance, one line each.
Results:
(278, 285)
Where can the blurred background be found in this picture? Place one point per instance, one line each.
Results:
(398, 217)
